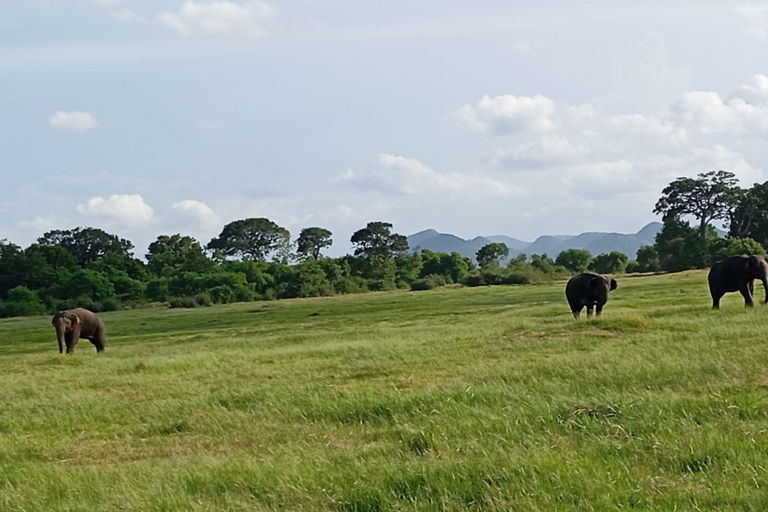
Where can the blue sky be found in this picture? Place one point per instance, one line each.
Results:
(476, 118)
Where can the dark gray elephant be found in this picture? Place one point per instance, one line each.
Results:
(738, 274)
(73, 324)
(590, 290)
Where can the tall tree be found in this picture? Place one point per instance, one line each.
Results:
(252, 239)
(312, 240)
(377, 239)
(176, 253)
(710, 196)
(88, 244)
(489, 255)
(750, 217)
(575, 260)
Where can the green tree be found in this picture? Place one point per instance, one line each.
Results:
(614, 262)
(710, 196)
(377, 239)
(574, 260)
(312, 240)
(543, 262)
(750, 217)
(733, 246)
(490, 255)
(252, 239)
(647, 259)
(88, 244)
(169, 255)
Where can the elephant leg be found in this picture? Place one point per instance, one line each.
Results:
(98, 343)
(70, 340)
(598, 309)
(744, 290)
(716, 296)
(576, 310)
(589, 310)
(752, 287)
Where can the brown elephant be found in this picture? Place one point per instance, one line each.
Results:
(590, 290)
(737, 274)
(73, 324)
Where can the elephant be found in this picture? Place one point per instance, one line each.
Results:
(589, 290)
(73, 324)
(737, 274)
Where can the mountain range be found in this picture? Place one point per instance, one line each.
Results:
(595, 242)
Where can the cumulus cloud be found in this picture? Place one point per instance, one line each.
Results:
(406, 176)
(746, 109)
(74, 120)
(757, 17)
(550, 149)
(37, 225)
(637, 124)
(720, 157)
(127, 16)
(128, 210)
(196, 212)
(501, 115)
(250, 19)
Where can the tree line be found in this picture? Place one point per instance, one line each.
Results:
(256, 259)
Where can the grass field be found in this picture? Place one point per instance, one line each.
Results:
(454, 399)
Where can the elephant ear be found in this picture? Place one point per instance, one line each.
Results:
(74, 319)
(614, 284)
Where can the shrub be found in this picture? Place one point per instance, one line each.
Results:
(182, 302)
(428, 283)
(516, 278)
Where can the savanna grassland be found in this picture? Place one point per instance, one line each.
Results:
(452, 399)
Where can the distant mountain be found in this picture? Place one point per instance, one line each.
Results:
(552, 245)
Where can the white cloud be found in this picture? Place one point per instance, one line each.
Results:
(37, 225)
(637, 124)
(603, 173)
(501, 115)
(78, 121)
(720, 157)
(196, 212)
(127, 16)
(757, 16)
(397, 174)
(745, 110)
(755, 92)
(128, 210)
(549, 150)
(106, 3)
(581, 113)
(250, 19)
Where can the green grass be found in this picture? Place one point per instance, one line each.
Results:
(453, 399)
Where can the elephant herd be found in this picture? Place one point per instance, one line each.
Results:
(734, 274)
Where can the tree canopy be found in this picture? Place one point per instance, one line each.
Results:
(710, 196)
(491, 254)
(252, 239)
(575, 260)
(312, 240)
(88, 244)
(377, 239)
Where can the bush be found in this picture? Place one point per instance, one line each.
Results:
(516, 278)
(428, 283)
(183, 302)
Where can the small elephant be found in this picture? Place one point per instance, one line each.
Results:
(737, 274)
(73, 324)
(589, 290)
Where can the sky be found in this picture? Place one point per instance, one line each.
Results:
(150, 117)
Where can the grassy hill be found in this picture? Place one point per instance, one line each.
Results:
(454, 399)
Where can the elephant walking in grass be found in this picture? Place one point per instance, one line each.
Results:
(590, 290)
(73, 324)
(738, 274)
